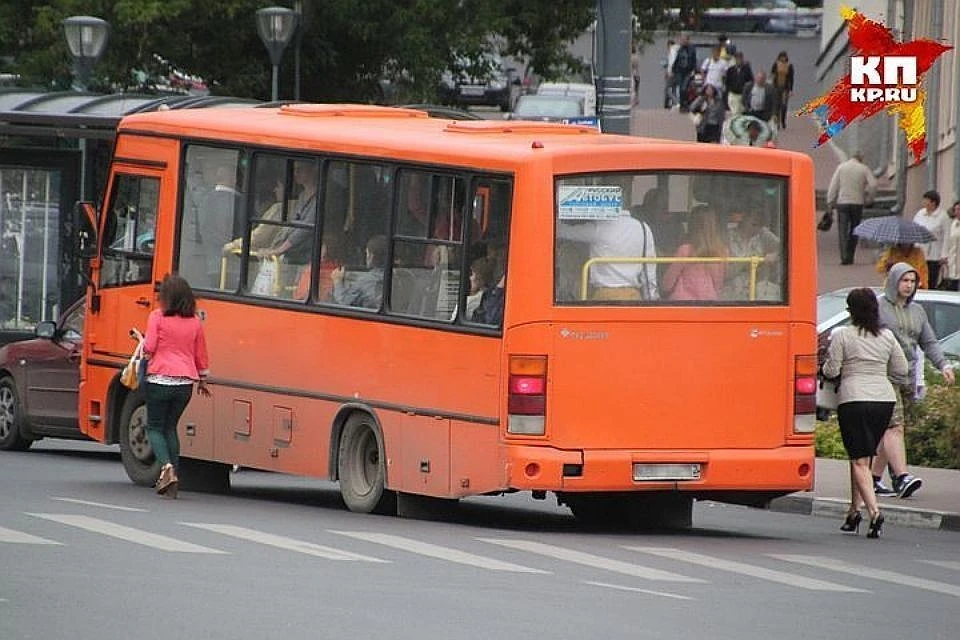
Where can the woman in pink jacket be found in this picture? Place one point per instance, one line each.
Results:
(177, 357)
(698, 280)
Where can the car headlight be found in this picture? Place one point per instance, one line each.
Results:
(497, 84)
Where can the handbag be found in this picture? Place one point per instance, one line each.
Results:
(826, 221)
(828, 393)
(132, 375)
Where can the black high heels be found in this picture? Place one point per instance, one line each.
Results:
(876, 523)
(852, 522)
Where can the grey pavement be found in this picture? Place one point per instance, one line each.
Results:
(937, 504)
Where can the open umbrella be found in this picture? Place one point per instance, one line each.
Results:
(892, 230)
(738, 131)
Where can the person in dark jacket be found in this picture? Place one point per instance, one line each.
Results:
(738, 75)
(781, 73)
(683, 67)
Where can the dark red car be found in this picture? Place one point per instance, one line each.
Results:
(38, 383)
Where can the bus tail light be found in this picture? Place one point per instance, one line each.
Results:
(527, 395)
(804, 394)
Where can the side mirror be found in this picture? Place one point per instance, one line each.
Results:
(86, 216)
(45, 329)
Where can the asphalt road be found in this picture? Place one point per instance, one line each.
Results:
(84, 554)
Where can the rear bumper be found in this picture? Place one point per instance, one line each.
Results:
(782, 470)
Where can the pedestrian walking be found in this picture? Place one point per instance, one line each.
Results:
(937, 222)
(851, 187)
(950, 279)
(177, 351)
(910, 326)
(781, 76)
(865, 357)
(711, 111)
(738, 75)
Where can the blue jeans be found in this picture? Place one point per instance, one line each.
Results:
(165, 405)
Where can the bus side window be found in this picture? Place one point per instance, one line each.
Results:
(212, 206)
(129, 234)
(487, 238)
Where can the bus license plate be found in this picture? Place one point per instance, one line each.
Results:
(643, 471)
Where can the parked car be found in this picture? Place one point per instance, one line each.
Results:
(581, 90)
(38, 383)
(485, 82)
(547, 108)
(942, 307)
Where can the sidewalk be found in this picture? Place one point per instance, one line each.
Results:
(935, 506)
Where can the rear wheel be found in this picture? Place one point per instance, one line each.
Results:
(361, 466)
(135, 450)
(11, 418)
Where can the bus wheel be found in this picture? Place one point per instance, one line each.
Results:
(135, 451)
(11, 418)
(361, 466)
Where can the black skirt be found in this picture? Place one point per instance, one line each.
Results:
(862, 425)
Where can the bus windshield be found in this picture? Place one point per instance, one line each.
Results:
(664, 238)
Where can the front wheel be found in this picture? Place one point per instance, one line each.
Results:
(362, 467)
(11, 418)
(135, 450)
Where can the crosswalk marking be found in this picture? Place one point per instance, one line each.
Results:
(99, 504)
(621, 587)
(19, 537)
(745, 569)
(590, 560)
(145, 538)
(282, 542)
(946, 564)
(436, 551)
(869, 572)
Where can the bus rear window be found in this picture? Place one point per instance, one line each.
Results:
(670, 238)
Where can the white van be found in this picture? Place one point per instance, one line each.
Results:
(584, 91)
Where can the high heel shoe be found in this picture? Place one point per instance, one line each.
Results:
(876, 523)
(165, 479)
(852, 522)
(173, 487)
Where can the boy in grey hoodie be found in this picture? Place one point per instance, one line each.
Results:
(909, 324)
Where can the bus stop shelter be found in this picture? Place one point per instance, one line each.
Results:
(55, 149)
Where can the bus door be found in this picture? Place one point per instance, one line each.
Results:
(125, 286)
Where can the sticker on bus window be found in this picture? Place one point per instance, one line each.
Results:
(590, 202)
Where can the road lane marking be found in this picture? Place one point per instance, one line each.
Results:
(869, 572)
(436, 551)
(137, 536)
(590, 560)
(19, 537)
(753, 571)
(621, 587)
(946, 564)
(282, 542)
(100, 504)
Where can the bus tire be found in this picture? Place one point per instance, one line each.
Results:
(203, 476)
(135, 450)
(11, 418)
(361, 466)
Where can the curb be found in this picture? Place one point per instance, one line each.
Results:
(809, 505)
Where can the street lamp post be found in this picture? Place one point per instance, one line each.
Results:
(87, 38)
(276, 26)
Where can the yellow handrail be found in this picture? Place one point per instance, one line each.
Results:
(753, 261)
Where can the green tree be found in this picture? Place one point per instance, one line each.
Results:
(347, 47)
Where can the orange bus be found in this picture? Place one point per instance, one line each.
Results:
(424, 309)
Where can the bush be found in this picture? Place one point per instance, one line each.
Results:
(932, 433)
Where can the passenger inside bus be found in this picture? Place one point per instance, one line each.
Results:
(704, 239)
(269, 207)
(332, 257)
(622, 237)
(751, 238)
(363, 288)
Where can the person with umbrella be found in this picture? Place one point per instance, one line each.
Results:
(901, 236)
